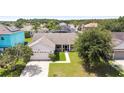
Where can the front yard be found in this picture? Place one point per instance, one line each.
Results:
(76, 69)
(73, 69)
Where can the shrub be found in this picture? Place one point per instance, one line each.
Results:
(27, 34)
(52, 57)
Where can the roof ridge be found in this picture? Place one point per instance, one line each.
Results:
(37, 41)
(49, 39)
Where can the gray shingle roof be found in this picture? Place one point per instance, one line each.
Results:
(57, 38)
(44, 45)
(69, 38)
(7, 30)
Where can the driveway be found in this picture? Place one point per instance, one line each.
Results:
(36, 68)
(40, 68)
(120, 63)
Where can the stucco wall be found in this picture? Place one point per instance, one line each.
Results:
(11, 40)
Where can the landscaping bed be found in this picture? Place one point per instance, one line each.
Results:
(57, 56)
(60, 56)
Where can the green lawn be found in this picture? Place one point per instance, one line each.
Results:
(13, 71)
(60, 56)
(72, 69)
(28, 40)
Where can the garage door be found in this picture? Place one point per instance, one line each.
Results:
(40, 57)
(119, 55)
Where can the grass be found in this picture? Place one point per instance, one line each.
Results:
(77, 69)
(108, 70)
(28, 40)
(13, 71)
(60, 56)
(73, 69)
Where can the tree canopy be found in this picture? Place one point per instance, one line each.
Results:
(94, 47)
(12, 55)
(114, 25)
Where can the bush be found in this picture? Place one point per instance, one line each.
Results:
(27, 34)
(52, 57)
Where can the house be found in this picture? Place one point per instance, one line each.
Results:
(66, 28)
(118, 41)
(10, 37)
(46, 43)
(88, 26)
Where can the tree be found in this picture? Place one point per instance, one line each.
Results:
(53, 25)
(36, 25)
(11, 55)
(52, 57)
(94, 47)
(20, 22)
(27, 34)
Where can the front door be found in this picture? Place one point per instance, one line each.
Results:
(66, 47)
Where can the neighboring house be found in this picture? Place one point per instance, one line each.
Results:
(72, 27)
(46, 43)
(88, 26)
(10, 37)
(118, 41)
(66, 28)
(43, 30)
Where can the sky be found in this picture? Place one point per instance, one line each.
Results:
(14, 18)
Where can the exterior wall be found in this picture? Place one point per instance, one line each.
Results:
(17, 38)
(6, 42)
(119, 55)
(64, 47)
(11, 40)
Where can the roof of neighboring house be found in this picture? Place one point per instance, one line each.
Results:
(91, 25)
(57, 38)
(7, 30)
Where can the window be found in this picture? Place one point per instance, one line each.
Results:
(2, 38)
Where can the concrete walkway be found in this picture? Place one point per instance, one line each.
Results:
(36, 68)
(120, 63)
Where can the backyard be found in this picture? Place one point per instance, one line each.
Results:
(73, 69)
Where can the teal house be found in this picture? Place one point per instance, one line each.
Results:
(10, 37)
